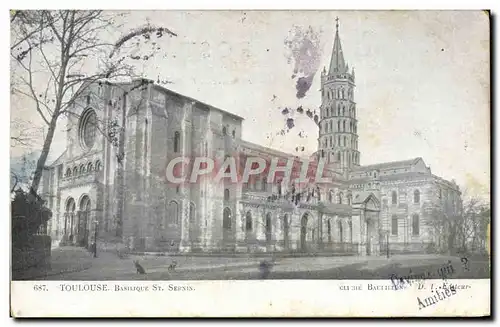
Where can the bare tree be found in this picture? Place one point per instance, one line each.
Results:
(460, 230)
(57, 55)
(472, 225)
(24, 133)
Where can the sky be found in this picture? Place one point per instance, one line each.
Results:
(422, 80)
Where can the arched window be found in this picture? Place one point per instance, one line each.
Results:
(68, 172)
(248, 222)
(350, 231)
(75, 171)
(82, 169)
(339, 198)
(394, 197)
(415, 223)
(330, 196)
(338, 126)
(345, 140)
(338, 156)
(177, 141)
(338, 111)
(341, 231)
(192, 213)
(226, 194)
(224, 130)
(343, 126)
(173, 213)
(331, 126)
(264, 183)
(234, 133)
(331, 142)
(416, 196)
(343, 110)
(89, 167)
(88, 128)
(226, 219)
(98, 165)
(349, 199)
(326, 127)
(394, 225)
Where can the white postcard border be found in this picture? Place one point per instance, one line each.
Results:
(252, 298)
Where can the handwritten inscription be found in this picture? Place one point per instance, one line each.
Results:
(401, 282)
(441, 293)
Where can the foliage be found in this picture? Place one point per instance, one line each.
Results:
(28, 215)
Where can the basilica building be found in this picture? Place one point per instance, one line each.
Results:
(110, 181)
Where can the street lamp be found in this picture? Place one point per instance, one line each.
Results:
(95, 238)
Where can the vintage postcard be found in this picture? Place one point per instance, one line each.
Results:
(253, 163)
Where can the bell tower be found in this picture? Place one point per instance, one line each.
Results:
(338, 126)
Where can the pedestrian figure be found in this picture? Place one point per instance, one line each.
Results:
(140, 269)
(265, 268)
(172, 266)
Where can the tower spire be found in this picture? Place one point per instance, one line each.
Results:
(338, 132)
(337, 62)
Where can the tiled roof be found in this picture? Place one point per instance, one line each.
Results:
(389, 165)
(58, 160)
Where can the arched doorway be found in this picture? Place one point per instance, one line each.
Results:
(269, 231)
(269, 228)
(226, 225)
(329, 229)
(69, 219)
(171, 234)
(248, 223)
(192, 222)
(341, 236)
(83, 221)
(286, 229)
(341, 232)
(303, 232)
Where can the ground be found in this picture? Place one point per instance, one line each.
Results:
(72, 263)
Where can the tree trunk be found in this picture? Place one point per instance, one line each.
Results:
(40, 165)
